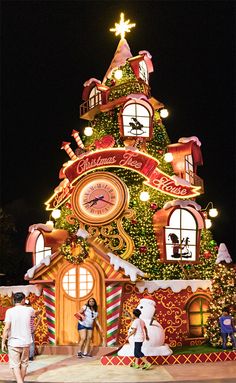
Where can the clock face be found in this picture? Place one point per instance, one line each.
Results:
(99, 198)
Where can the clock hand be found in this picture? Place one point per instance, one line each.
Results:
(107, 201)
(94, 200)
(101, 198)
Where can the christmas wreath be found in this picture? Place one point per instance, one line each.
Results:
(75, 249)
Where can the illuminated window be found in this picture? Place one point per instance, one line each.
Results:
(40, 250)
(77, 282)
(94, 97)
(181, 235)
(198, 312)
(143, 72)
(137, 119)
(189, 175)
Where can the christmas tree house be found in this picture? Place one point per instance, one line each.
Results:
(126, 222)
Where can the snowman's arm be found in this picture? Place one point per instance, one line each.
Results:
(152, 324)
(146, 332)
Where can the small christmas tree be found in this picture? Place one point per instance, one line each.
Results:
(223, 295)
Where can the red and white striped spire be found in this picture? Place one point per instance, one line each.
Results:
(77, 138)
(69, 151)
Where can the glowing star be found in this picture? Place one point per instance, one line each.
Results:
(123, 27)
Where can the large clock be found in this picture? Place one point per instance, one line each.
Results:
(99, 198)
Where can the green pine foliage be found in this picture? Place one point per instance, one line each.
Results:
(223, 295)
(140, 228)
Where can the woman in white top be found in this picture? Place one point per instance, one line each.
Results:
(87, 316)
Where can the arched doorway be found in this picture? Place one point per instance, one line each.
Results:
(75, 285)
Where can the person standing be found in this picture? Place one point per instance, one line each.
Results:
(87, 317)
(139, 330)
(17, 331)
(34, 325)
(227, 328)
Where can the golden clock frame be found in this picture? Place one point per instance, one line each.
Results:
(102, 219)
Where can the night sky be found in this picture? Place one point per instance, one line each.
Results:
(49, 49)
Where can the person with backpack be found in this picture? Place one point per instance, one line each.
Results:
(227, 328)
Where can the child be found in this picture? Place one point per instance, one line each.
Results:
(227, 328)
(139, 330)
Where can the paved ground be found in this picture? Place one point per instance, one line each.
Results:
(61, 368)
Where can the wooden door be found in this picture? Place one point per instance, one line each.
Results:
(76, 285)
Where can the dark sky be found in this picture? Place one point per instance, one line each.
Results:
(50, 48)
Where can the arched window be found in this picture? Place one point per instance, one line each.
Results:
(41, 251)
(198, 312)
(94, 97)
(77, 282)
(181, 236)
(137, 119)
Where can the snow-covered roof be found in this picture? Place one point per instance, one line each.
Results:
(184, 140)
(176, 285)
(26, 289)
(130, 270)
(45, 261)
(122, 53)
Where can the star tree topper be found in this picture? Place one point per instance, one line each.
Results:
(123, 27)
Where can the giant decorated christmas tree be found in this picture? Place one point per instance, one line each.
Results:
(126, 143)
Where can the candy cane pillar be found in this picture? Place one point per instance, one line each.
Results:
(49, 301)
(113, 300)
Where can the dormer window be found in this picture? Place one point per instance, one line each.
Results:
(137, 119)
(95, 97)
(180, 236)
(178, 228)
(143, 71)
(41, 251)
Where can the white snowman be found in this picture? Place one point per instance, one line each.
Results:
(155, 345)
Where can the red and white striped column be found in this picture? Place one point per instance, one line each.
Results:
(113, 301)
(49, 300)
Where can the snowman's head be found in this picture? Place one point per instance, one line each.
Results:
(147, 306)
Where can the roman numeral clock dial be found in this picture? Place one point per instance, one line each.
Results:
(99, 198)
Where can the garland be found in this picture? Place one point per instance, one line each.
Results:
(75, 249)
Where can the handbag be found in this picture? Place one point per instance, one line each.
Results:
(80, 316)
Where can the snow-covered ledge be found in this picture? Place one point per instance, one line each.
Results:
(176, 285)
(26, 289)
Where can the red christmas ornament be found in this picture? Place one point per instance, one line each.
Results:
(68, 205)
(207, 254)
(105, 142)
(160, 151)
(153, 206)
(143, 249)
(134, 221)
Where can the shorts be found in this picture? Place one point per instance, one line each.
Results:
(137, 350)
(82, 327)
(18, 356)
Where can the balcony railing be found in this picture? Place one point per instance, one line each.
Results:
(115, 92)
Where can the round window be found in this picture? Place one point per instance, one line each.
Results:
(77, 282)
